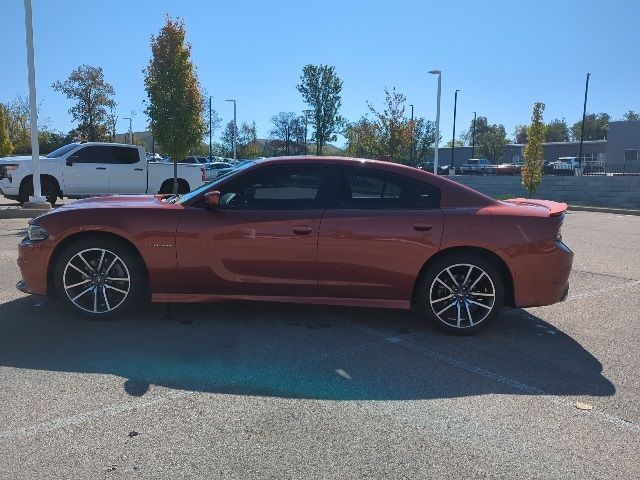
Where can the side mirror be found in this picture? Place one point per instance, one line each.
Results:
(212, 199)
(71, 159)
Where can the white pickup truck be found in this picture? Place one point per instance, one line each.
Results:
(91, 169)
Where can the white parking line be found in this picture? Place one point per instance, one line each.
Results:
(510, 382)
(112, 410)
(634, 283)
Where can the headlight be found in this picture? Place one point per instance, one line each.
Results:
(36, 233)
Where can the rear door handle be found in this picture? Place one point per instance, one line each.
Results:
(421, 227)
(302, 229)
(101, 168)
(138, 169)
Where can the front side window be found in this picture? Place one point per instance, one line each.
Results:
(94, 154)
(280, 187)
(107, 154)
(361, 189)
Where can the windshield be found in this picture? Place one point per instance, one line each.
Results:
(62, 150)
(194, 193)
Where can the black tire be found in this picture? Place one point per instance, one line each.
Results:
(431, 294)
(167, 187)
(105, 295)
(48, 188)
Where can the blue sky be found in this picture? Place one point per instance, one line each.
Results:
(503, 56)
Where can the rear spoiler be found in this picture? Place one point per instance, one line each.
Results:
(555, 208)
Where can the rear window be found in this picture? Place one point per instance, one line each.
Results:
(362, 189)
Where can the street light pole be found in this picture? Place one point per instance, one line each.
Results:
(130, 130)
(210, 147)
(473, 137)
(411, 152)
(453, 140)
(584, 116)
(37, 197)
(235, 129)
(435, 159)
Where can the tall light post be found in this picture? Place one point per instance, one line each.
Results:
(453, 138)
(130, 130)
(435, 158)
(36, 200)
(473, 137)
(235, 128)
(584, 116)
(411, 152)
(210, 147)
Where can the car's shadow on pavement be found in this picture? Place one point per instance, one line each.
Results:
(296, 351)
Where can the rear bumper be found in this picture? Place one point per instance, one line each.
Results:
(542, 277)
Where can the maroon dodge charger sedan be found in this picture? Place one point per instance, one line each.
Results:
(315, 230)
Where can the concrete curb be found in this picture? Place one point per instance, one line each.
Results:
(619, 211)
(6, 213)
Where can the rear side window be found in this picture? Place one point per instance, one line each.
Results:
(280, 187)
(125, 155)
(380, 190)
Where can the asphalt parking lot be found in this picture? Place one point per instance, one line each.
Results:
(278, 391)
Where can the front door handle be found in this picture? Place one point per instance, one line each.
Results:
(302, 229)
(101, 168)
(421, 227)
(138, 169)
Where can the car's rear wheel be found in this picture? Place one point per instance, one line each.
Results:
(461, 294)
(99, 277)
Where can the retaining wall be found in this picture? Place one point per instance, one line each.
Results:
(614, 191)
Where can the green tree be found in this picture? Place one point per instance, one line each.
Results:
(458, 143)
(282, 133)
(320, 88)
(175, 105)
(6, 147)
(533, 152)
(393, 127)
(595, 127)
(490, 139)
(390, 133)
(93, 96)
(631, 116)
(520, 134)
(557, 131)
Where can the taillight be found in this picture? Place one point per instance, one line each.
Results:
(204, 178)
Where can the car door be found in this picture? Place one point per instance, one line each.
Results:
(376, 234)
(85, 171)
(126, 172)
(261, 240)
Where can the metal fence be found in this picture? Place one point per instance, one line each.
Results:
(611, 169)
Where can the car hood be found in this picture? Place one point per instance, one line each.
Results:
(19, 159)
(118, 201)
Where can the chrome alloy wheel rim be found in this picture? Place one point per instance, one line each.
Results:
(462, 295)
(96, 280)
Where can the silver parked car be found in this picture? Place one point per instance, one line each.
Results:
(215, 169)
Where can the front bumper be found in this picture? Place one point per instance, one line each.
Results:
(33, 259)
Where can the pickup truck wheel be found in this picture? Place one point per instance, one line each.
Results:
(48, 188)
(461, 293)
(99, 278)
(167, 186)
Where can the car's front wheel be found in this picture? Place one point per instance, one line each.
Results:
(99, 277)
(461, 293)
